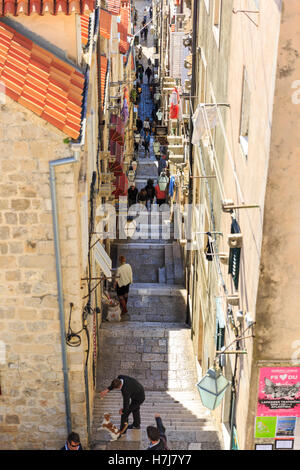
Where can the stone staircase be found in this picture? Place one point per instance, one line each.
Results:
(188, 424)
(158, 354)
(155, 345)
(157, 303)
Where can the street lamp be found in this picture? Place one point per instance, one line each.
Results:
(212, 388)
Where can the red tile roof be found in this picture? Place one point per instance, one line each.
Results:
(41, 82)
(123, 27)
(114, 6)
(41, 7)
(103, 73)
(105, 23)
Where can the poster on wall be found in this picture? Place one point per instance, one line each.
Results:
(279, 391)
(278, 406)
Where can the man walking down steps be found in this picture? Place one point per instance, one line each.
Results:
(133, 396)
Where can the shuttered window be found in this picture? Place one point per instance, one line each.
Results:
(234, 257)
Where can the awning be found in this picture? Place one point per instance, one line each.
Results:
(121, 186)
(103, 259)
(84, 23)
(105, 23)
(114, 6)
(123, 27)
(103, 76)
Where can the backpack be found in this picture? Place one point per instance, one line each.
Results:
(150, 191)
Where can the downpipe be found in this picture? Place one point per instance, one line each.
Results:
(52, 165)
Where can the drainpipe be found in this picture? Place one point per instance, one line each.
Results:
(53, 164)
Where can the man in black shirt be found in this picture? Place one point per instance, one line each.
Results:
(157, 436)
(133, 396)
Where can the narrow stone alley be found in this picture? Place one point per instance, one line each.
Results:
(154, 345)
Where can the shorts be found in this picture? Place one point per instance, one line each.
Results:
(122, 290)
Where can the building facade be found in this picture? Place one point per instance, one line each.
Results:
(242, 96)
(55, 60)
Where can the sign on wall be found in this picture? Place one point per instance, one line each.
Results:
(278, 406)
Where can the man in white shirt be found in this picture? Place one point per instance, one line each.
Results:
(123, 280)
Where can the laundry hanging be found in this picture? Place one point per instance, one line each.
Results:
(171, 186)
(204, 118)
(174, 104)
(209, 250)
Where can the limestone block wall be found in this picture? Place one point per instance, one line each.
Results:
(32, 403)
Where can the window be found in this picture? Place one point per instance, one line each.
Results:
(217, 19)
(245, 114)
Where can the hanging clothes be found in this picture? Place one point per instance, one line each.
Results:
(125, 111)
(209, 250)
(204, 118)
(171, 186)
(174, 104)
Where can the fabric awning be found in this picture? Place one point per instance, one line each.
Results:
(102, 259)
(105, 23)
(121, 185)
(114, 6)
(84, 24)
(103, 77)
(123, 27)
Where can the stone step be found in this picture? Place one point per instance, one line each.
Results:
(162, 275)
(170, 277)
(178, 264)
(157, 303)
(142, 349)
(144, 289)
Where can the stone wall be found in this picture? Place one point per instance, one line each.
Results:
(32, 403)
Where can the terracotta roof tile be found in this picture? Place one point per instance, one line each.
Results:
(33, 7)
(41, 82)
(31, 104)
(47, 7)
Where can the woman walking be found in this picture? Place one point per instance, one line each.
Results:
(123, 280)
